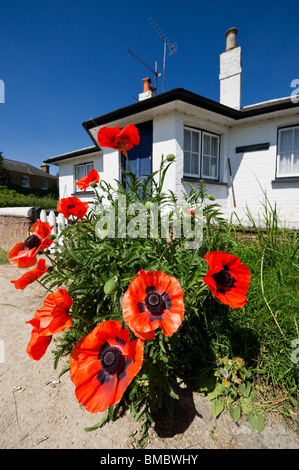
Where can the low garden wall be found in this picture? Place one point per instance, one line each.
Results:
(15, 223)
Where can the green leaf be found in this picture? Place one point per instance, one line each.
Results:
(246, 406)
(100, 424)
(218, 390)
(256, 421)
(64, 369)
(245, 389)
(217, 408)
(235, 413)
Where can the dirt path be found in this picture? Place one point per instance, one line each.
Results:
(38, 410)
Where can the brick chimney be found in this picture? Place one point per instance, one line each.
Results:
(231, 71)
(148, 90)
(44, 167)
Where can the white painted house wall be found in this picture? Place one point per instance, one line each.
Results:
(253, 172)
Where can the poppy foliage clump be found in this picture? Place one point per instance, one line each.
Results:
(134, 314)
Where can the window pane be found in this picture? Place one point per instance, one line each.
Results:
(213, 173)
(214, 146)
(187, 164)
(206, 145)
(80, 172)
(195, 142)
(296, 163)
(206, 166)
(285, 163)
(194, 164)
(89, 167)
(296, 139)
(286, 138)
(187, 140)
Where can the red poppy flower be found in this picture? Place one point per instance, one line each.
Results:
(84, 182)
(72, 206)
(153, 299)
(23, 254)
(227, 278)
(31, 276)
(102, 365)
(52, 318)
(115, 138)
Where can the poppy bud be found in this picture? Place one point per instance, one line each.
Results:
(110, 286)
(170, 157)
(50, 269)
(93, 184)
(149, 205)
(211, 197)
(71, 263)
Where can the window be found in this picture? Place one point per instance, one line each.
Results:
(44, 184)
(25, 181)
(288, 152)
(82, 170)
(201, 154)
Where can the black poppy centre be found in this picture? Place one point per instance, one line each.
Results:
(113, 362)
(32, 242)
(223, 279)
(154, 302)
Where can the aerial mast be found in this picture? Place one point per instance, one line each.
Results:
(171, 46)
(155, 72)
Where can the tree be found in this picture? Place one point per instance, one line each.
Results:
(4, 176)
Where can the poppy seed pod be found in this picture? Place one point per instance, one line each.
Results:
(110, 287)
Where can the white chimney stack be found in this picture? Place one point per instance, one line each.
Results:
(231, 71)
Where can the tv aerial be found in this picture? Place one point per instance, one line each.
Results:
(173, 47)
(154, 71)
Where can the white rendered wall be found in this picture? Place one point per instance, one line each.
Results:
(67, 186)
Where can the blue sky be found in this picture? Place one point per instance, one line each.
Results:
(64, 62)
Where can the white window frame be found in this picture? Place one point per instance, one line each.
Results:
(204, 133)
(292, 173)
(191, 152)
(201, 134)
(25, 178)
(86, 171)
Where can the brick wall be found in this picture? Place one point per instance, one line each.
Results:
(15, 225)
(34, 180)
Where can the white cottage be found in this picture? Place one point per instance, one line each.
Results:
(240, 152)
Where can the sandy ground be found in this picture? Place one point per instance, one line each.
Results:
(40, 411)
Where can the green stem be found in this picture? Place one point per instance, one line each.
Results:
(80, 318)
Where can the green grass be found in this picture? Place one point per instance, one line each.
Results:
(262, 332)
(3, 256)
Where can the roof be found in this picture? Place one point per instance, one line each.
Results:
(172, 96)
(180, 94)
(25, 168)
(75, 153)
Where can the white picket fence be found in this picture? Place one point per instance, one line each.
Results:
(58, 222)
